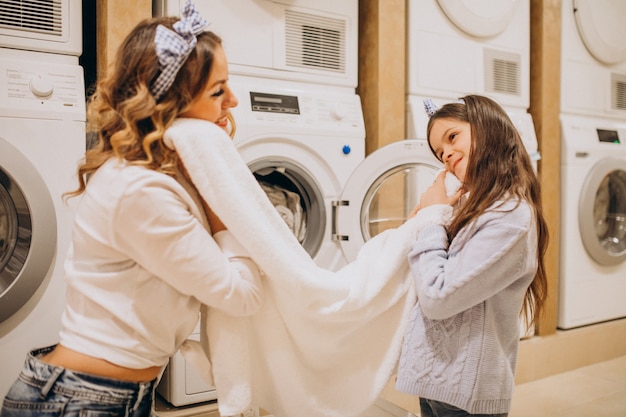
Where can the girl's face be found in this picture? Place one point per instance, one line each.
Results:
(451, 140)
(215, 101)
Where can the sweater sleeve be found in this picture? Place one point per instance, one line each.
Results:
(154, 226)
(484, 259)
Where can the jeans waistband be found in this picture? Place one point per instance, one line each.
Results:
(67, 382)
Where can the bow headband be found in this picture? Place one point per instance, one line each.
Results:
(174, 46)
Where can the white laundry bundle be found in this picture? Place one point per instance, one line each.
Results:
(324, 343)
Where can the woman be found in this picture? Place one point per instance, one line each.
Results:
(146, 251)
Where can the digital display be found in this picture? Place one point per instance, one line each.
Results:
(609, 136)
(274, 103)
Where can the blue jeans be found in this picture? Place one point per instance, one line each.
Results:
(46, 390)
(431, 408)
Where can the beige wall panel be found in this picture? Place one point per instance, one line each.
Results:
(382, 63)
(114, 20)
(545, 72)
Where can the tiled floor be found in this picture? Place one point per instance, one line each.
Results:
(597, 390)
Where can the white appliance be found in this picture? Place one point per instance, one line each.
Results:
(593, 162)
(44, 26)
(593, 58)
(42, 139)
(299, 40)
(593, 220)
(486, 48)
(458, 47)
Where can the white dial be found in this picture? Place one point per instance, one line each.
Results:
(41, 86)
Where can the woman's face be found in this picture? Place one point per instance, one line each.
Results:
(215, 101)
(451, 140)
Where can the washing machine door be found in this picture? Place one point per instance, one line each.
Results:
(602, 212)
(601, 27)
(295, 193)
(28, 232)
(381, 192)
(480, 18)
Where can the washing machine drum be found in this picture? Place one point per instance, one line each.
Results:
(602, 219)
(602, 27)
(480, 18)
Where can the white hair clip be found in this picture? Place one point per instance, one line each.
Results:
(174, 46)
(430, 107)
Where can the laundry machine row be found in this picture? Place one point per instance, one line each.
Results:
(592, 282)
(593, 221)
(42, 139)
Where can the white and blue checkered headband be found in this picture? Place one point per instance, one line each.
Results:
(431, 108)
(174, 46)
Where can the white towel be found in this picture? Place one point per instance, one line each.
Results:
(324, 343)
(452, 184)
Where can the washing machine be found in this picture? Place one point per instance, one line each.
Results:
(314, 41)
(593, 115)
(42, 139)
(593, 58)
(593, 220)
(458, 47)
(311, 142)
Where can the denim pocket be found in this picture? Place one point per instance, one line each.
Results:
(13, 408)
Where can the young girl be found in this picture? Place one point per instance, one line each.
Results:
(146, 251)
(476, 267)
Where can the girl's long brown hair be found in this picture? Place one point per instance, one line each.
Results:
(123, 114)
(499, 167)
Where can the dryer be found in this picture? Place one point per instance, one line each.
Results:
(593, 58)
(458, 47)
(312, 41)
(593, 221)
(486, 48)
(51, 26)
(42, 139)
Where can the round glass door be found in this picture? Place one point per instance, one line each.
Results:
(382, 192)
(602, 219)
(296, 197)
(28, 233)
(392, 197)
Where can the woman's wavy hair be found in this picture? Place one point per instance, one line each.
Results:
(124, 116)
(498, 168)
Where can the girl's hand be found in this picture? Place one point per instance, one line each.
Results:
(436, 193)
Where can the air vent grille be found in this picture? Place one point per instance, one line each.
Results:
(502, 72)
(315, 42)
(618, 91)
(40, 16)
